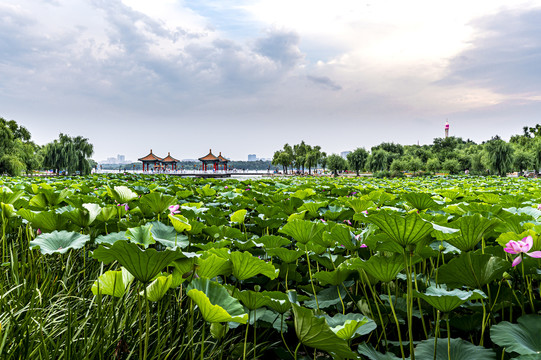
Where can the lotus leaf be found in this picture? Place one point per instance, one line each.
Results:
(472, 270)
(215, 303)
(144, 265)
(460, 350)
(59, 242)
(114, 283)
(522, 338)
(314, 332)
(404, 230)
(246, 266)
(158, 287)
(302, 230)
(167, 235)
(447, 300)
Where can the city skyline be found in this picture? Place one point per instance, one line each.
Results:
(249, 76)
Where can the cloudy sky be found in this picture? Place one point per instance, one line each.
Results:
(247, 76)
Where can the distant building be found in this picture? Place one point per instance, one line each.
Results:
(252, 157)
(344, 154)
(121, 159)
(447, 129)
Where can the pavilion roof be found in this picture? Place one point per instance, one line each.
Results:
(169, 158)
(150, 157)
(221, 158)
(209, 157)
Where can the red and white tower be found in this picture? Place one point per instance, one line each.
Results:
(446, 129)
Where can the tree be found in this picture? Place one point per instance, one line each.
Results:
(523, 160)
(378, 160)
(336, 163)
(68, 154)
(18, 153)
(433, 165)
(357, 159)
(499, 156)
(451, 165)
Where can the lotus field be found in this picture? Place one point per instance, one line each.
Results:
(157, 267)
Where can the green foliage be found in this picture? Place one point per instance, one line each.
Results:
(69, 154)
(499, 156)
(357, 159)
(336, 163)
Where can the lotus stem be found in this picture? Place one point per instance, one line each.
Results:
(311, 279)
(203, 341)
(246, 337)
(448, 337)
(396, 321)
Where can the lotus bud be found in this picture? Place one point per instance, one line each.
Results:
(441, 248)
(257, 288)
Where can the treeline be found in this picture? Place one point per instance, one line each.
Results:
(451, 155)
(20, 155)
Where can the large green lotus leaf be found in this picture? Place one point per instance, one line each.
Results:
(143, 264)
(286, 255)
(158, 287)
(167, 235)
(368, 350)
(303, 230)
(83, 217)
(344, 236)
(48, 221)
(273, 241)
(523, 338)
(239, 216)
(382, 268)
(379, 197)
(180, 223)
(489, 198)
(7, 196)
(297, 216)
(215, 303)
(511, 222)
(27, 214)
(504, 238)
(251, 299)
(421, 201)
(351, 325)
(55, 197)
(111, 238)
(245, 266)
(59, 242)
(404, 230)
(333, 212)
(447, 300)
(303, 193)
(113, 283)
(472, 229)
(206, 191)
(360, 205)
(313, 207)
(326, 298)
(460, 350)
(335, 277)
(443, 233)
(107, 213)
(472, 270)
(290, 206)
(158, 202)
(213, 245)
(8, 210)
(141, 235)
(314, 332)
(213, 266)
(278, 301)
(122, 194)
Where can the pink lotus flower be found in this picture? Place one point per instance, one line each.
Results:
(539, 207)
(38, 231)
(126, 207)
(358, 238)
(174, 209)
(347, 222)
(520, 248)
(365, 212)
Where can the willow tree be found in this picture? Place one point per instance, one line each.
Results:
(357, 159)
(499, 156)
(70, 154)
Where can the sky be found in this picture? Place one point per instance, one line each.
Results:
(247, 76)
